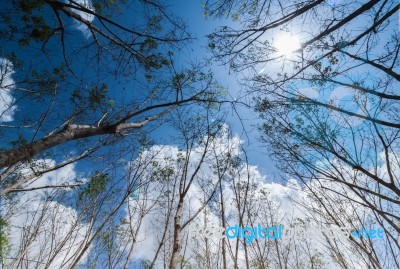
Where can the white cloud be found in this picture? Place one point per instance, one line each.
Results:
(7, 107)
(283, 200)
(57, 177)
(86, 16)
(87, 4)
(42, 231)
(269, 201)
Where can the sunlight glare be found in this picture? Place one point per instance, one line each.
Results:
(286, 44)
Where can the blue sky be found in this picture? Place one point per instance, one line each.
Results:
(200, 26)
(242, 121)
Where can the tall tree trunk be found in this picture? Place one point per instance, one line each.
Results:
(177, 236)
(223, 223)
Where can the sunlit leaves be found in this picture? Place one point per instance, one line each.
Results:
(4, 243)
(95, 185)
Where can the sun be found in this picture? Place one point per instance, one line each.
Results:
(286, 44)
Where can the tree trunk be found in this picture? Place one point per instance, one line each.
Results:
(69, 133)
(224, 263)
(177, 236)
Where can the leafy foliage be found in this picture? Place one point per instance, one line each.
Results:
(95, 186)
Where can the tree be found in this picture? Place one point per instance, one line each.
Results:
(326, 56)
(82, 85)
(83, 75)
(338, 205)
(78, 224)
(329, 105)
(167, 195)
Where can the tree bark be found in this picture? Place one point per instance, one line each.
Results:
(74, 131)
(69, 133)
(177, 236)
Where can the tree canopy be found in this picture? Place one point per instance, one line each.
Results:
(324, 76)
(88, 73)
(88, 87)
